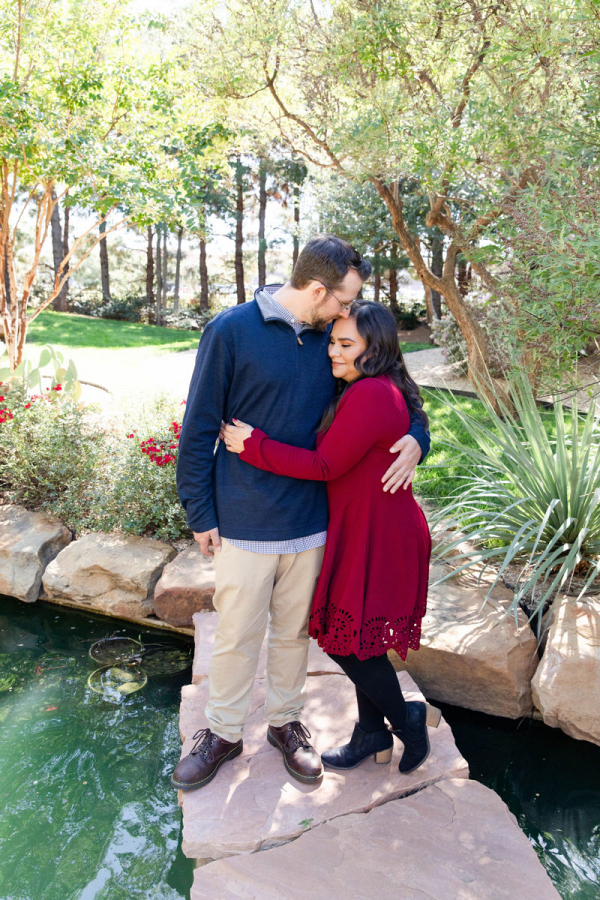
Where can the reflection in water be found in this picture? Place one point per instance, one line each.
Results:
(89, 813)
(552, 785)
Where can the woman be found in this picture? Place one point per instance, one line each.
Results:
(372, 590)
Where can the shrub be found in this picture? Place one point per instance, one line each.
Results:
(89, 471)
(407, 316)
(530, 499)
(130, 308)
(48, 446)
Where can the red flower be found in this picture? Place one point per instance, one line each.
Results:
(57, 388)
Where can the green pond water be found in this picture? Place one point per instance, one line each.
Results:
(88, 812)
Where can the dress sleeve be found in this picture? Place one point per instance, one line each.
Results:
(359, 423)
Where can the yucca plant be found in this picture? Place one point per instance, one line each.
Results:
(530, 499)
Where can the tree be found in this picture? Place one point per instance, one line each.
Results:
(432, 91)
(77, 117)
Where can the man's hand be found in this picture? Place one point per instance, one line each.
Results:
(206, 539)
(402, 471)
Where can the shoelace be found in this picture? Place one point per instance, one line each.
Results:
(298, 737)
(204, 740)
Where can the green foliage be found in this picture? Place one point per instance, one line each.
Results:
(88, 471)
(49, 450)
(27, 378)
(552, 290)
(530, 499)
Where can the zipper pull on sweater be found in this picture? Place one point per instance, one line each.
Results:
(299, 341)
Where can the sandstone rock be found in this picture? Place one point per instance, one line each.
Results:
(109, 573)
(28, 542)
(472, 656)
(254, 804)
(455, 839)
(205, 625)
(566, 686)
(186, 586)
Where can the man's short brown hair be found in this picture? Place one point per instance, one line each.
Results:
(327, 258)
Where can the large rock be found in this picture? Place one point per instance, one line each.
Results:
(472, 654)
(254, 804)
(28, 542)
(455, 839)
(186, 586)
(109, 573)
(566, 686)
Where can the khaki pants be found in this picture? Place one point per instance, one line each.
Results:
(253, 590)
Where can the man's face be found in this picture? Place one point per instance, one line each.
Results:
(334, 305)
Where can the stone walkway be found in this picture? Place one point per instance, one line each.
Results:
(258, 834)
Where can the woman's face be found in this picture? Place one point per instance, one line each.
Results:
(345, 345)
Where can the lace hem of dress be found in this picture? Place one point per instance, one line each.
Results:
(377, 634)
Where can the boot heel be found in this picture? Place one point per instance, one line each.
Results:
(383, 756)
(434, 716)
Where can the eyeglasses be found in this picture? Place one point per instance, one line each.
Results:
(344, 304)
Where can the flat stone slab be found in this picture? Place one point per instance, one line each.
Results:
(471, 654)
(566, 686)
(109, 573)
(186, 586)
(455, 840)
(205, 624)
(254, 804)
(28, 542)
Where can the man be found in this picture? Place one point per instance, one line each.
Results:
(266, 362)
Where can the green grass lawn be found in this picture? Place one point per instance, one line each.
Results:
(70, 330)
(411, 346)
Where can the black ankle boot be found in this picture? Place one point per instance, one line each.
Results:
(378, 744)
(413, 735)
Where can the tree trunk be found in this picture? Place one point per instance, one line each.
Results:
(165, 268)
(177, 270)
(477, 343)
(262, 214)
(377, 283)
(159, 276)
(437, 267)
(296, 249)
(104, 268)
(393, 275)
(60, 248)
(462, 275)
(6, 279)
(239, 233)
(150, 267)
(204, 299)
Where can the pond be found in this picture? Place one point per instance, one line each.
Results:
(89, 813)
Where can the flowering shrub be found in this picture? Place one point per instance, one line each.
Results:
(88, 470)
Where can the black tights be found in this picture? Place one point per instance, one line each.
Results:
(378, 692)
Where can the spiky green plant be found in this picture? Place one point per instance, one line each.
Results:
(530, 499)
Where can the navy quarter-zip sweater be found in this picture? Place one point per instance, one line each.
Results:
(254, 368)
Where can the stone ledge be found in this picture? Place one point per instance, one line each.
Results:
(455, 839)
(566, 686)
(254, 804)
(28, 542)
(472, 654)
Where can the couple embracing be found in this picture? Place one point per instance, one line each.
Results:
(313, 531)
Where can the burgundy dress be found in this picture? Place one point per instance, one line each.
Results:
(372, 590)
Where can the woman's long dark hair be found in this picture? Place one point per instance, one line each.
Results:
(383, 356)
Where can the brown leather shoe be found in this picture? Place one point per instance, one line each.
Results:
(300, 759)
(202, 764)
